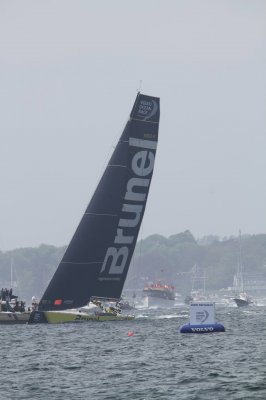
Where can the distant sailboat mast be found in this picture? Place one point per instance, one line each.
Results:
(240, 278)
(241, 299)
(11, 273)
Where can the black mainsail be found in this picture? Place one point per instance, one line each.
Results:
(97, 259)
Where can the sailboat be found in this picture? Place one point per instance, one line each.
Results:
(198, 290)
(241, 299)
(97, 259)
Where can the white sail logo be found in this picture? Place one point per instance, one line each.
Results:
(147, 109)
(142, 167)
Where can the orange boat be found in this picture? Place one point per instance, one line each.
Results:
(159, 294)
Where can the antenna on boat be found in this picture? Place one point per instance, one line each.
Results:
(140, 85)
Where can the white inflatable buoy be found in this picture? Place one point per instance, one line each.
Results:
(202, 319)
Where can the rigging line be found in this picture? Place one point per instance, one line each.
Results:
(140, 85)
(140, 248)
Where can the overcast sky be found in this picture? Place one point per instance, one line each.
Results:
(69, 74)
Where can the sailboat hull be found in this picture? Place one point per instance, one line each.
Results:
(63, 317)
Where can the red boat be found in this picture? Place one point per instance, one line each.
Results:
(159, 294)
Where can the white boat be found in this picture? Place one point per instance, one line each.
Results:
(12, 311)
(14, 317)
(243, 300)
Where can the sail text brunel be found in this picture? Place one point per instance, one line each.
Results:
(135, 197)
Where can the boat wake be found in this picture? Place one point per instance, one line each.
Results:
(170, 316)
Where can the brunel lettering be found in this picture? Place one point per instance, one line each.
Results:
(136, 192)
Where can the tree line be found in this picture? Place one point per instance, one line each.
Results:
(156, 257)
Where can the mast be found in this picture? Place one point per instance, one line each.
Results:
(240, 264)
(11, 273)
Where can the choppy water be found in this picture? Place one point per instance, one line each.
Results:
(99, 361)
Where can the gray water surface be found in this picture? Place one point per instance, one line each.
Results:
(99, 361)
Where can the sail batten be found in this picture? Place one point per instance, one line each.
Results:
(117, 166)
(109, 227)
(148, 122)
(81, 263)
(101, 215)
(143, 143)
